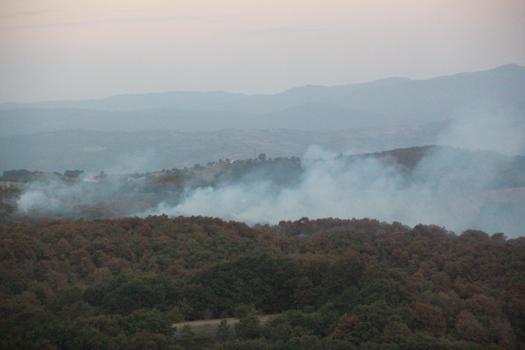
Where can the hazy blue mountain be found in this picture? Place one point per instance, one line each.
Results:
(440, 98)
(304, 117)
(171, 99)
(183, 128)
(392, 102)
(34, 120)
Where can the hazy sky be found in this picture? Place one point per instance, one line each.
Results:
(63, 49)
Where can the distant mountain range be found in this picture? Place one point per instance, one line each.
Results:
(184, 128)
(391, 102)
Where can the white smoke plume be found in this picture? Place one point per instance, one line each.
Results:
(448, 187)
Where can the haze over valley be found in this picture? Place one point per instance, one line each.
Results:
(479, 110)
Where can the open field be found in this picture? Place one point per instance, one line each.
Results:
(209, 327)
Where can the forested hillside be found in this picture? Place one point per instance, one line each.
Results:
(335, 284)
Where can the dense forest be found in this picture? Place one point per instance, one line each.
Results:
(329, 284)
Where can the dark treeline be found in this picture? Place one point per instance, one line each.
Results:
(336, 284)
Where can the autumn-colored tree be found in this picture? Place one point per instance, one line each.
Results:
(469, 328)
(430, 318)
(334, 284)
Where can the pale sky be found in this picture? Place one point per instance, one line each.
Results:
(73, 49)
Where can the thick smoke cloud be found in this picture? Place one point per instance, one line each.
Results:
(437, 193)
(449, 187)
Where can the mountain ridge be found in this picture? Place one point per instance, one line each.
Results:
(506, 68)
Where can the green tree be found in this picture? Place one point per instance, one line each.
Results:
(223, 330)
(248, 327)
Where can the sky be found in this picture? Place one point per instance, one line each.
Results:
(65, 49)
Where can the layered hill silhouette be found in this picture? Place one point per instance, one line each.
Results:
(184, 128)
(391, 102)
